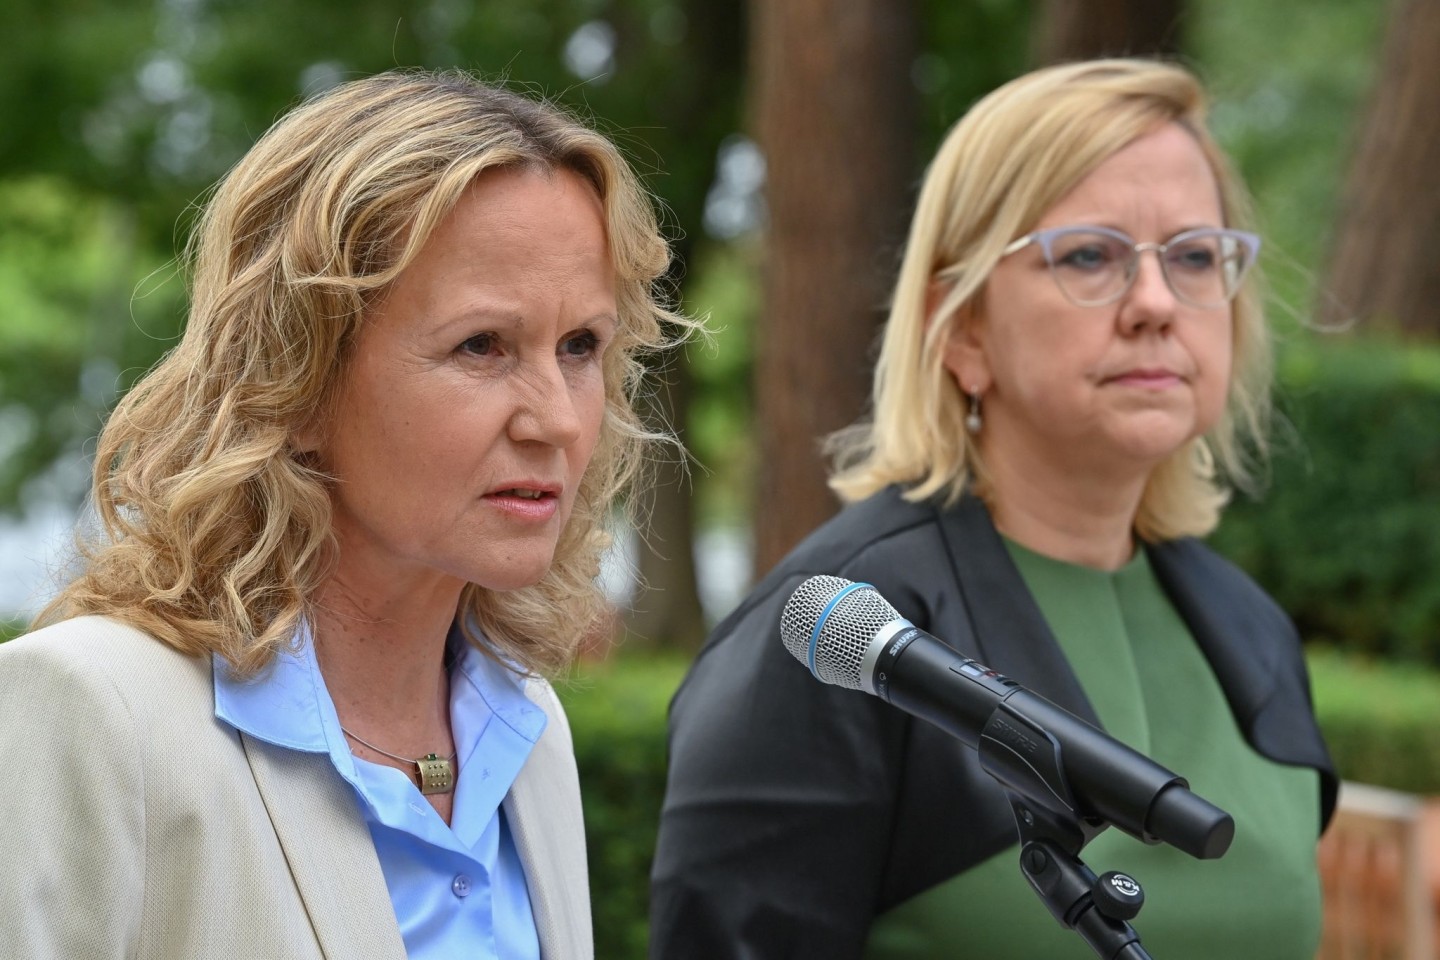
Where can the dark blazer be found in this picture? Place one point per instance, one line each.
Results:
(796, 812)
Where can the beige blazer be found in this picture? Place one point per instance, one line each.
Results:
(135, 825)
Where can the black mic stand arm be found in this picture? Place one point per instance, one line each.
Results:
(1097, 908)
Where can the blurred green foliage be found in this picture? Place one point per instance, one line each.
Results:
(1382, 721)
(1345, 536)
(71, 335)
(721, 411)
(1287, 80)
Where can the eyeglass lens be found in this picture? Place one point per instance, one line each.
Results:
(1203, 268)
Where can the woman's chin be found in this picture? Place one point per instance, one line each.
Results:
(509, 582)
(515, 575)
(1151, 440)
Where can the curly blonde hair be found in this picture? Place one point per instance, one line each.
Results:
(215, 534)
(1016, 153)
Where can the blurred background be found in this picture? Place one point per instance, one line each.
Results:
(785, 140)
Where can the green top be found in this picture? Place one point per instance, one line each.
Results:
(1153, 689)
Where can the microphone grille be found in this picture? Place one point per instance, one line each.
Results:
(835, 652)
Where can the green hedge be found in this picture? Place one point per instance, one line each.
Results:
(1347, 535)
(1381, 720)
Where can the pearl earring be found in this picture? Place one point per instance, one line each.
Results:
(973, 420)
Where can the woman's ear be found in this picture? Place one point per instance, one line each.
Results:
(964, 340)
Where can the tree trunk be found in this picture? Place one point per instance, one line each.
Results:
(1082, 29)
(1383, 268)
(834, 115)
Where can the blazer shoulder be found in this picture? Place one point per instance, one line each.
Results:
(874, 540)
(1207, 572)
(861, 525)
(92, 637)
(100, 659)
(541, 692)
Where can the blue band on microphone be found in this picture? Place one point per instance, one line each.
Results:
(825, 615)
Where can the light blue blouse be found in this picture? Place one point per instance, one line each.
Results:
(457, 889)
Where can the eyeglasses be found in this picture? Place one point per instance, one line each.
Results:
(1094, 266)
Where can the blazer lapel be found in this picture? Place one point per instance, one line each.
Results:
(544, 815)
(330, 852)
(1011, 636)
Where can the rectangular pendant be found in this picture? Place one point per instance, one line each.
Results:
(436, 774)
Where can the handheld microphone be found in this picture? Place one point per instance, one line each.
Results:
(847, 634)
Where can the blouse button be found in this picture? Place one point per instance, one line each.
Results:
(460, 886)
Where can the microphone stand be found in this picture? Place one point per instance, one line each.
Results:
(1097, 908)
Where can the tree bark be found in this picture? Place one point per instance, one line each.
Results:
(1083, 29)
(834, 115)
(1383, 267)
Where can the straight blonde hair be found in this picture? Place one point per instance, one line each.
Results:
(1013, 156)
(215, 533)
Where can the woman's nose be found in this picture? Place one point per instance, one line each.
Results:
(545, 409)
(1150, 302)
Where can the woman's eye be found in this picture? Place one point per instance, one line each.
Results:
(1088, 257)
(581, 345)
(482, 344)
(1197, 258)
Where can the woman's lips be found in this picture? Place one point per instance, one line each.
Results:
(1146, 379)
(525, 504)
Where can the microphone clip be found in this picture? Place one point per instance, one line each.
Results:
(1097, 908)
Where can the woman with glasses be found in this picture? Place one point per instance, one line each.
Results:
(1074, 369)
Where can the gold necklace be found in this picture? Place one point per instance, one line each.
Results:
(435, 773)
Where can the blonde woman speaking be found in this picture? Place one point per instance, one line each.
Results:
(291, 706)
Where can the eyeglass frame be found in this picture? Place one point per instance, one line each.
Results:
(1044, 238)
